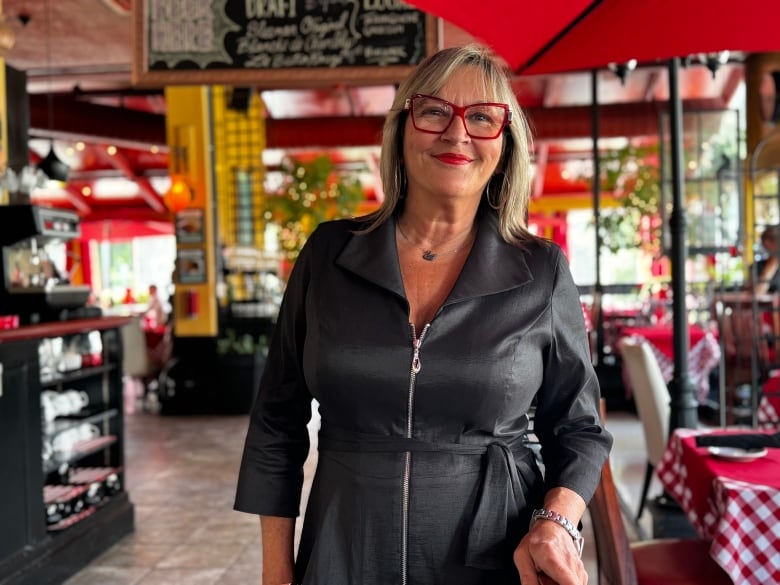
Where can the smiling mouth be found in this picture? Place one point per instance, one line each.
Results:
(453, 159)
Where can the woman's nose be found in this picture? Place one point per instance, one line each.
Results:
(456, 130)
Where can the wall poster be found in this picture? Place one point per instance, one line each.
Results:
(191, 266)
(189, 226)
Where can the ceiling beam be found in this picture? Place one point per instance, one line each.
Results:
(77, 120)
(635, 119)
(151, 197)
(76, 199)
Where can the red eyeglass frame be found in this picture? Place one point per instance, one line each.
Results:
(460, 112)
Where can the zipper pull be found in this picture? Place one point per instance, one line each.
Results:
(416, 357)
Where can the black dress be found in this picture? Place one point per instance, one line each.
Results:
(423, 476)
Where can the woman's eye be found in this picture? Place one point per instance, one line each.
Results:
(480, 118)
(434, 111)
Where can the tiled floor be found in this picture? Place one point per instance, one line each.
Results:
(181, 474)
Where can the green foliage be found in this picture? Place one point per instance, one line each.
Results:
(311, 192)
(632, 174)
(233, 344)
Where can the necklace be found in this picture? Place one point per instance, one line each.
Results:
(428, 254)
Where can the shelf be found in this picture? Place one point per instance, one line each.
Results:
(50, 529)
(61, 424)
(80, 450)
(55, 494)
(80, 374)
(88, 475)
(71, 520)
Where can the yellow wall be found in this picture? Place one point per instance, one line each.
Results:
(239, 141)
(188, 128)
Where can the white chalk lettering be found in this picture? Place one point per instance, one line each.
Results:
(270, 8)
(395, 18)
(385, 55)
(262, 30)
(384, 5)
(383, 31)
(317, 26)
(247, 46)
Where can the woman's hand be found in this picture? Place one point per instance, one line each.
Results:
(547, 556)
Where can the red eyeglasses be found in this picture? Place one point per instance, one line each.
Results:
(434, 115)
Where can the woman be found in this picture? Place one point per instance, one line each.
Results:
(426, 331)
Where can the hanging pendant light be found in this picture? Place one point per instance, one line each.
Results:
(179, 195)
(53, 167)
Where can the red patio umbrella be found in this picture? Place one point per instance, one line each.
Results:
(553, 36)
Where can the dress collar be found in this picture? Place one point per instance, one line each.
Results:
(493, 265)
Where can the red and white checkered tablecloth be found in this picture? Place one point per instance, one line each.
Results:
(736, 505)
(703, 354)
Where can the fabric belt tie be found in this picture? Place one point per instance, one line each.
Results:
(487, 539)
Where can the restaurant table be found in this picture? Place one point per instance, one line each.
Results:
(736, 505)
(703, 352)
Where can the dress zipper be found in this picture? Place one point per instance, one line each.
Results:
(415, 369)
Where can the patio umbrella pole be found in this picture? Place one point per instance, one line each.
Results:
(596, 312)
(684, 411)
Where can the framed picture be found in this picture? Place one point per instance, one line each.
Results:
(189, 226)
(191, 266)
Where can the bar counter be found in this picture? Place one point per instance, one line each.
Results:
(53, 523)
(59, 328)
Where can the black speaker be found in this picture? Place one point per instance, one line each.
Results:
(239, 99)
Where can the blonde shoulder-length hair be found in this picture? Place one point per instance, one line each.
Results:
(508, 191)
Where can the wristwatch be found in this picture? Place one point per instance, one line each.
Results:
(552, 516)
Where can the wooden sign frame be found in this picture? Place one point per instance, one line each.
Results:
(265, 78)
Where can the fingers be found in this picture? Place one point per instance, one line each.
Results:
(547, 556)
(526, 567)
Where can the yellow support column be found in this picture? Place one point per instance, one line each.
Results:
(188, 128)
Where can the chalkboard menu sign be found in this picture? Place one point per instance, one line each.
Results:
(278, 43)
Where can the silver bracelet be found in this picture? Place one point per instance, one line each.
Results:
(543, 514)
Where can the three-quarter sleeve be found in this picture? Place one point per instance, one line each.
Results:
(574, 442)
(277, 442)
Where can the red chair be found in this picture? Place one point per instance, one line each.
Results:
(669, 561)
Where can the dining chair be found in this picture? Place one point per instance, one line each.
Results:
(135, 358)
(651, 397)
(668, 561)
(749, 353)
(142, 364)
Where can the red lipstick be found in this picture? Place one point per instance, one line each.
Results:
(452, 158)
